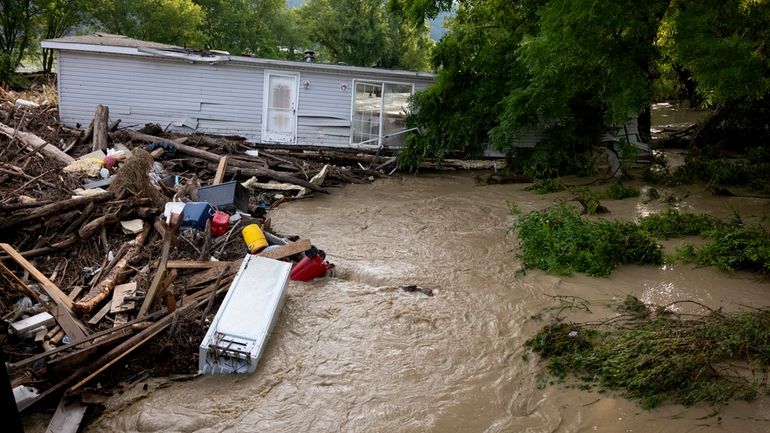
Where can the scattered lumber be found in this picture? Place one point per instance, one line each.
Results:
(38, 144)
(102, 290)
(60, 309)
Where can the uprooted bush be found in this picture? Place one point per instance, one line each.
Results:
(560, 241)
(657, 356)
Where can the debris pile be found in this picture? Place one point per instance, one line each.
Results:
(113, 246)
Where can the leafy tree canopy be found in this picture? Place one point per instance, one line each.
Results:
(575, 68)
(176, 22)
(363, 33)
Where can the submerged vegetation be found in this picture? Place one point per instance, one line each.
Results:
(654, 355)
(560, 241)
(546, 186)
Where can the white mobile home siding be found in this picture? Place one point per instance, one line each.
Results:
(218, 99)
(221, 98)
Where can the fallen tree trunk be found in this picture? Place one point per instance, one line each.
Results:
(100, 292)
(32, 141)
(53, 208)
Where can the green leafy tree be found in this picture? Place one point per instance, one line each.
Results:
(577, 67)
(16, 34)
(365, 33)
(177, 22)
(242, 26)
(57, 17)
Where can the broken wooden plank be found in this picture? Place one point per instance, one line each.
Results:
(221, 168)
(195, 264)
(100, 314)
(119, 303)
(158, 277)
(123, 349)
(68, 416)
(50, 288)
(61, 314)
(287, 250)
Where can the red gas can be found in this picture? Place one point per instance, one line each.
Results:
(219, 223)
(311, 266)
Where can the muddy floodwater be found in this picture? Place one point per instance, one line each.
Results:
(353, 353)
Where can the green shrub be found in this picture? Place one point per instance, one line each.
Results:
(673, 224)
(559, 241)
(618, 191)
(659, 357)
(546, 186)
(733, 248)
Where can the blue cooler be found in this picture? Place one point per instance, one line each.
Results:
(196, 214)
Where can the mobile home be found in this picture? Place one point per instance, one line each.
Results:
(263, 100)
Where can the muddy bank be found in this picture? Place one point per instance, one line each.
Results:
(354, 353)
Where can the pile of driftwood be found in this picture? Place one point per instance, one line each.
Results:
(81, 288)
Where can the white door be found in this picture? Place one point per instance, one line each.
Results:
(279, 119)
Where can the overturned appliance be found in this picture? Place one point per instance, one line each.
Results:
(238, 334)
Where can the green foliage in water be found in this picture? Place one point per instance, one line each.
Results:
(618, 191)
(560, 241)
(546, 186)
(673, 224)
(716, 171)
(659, 357)
(732, 248)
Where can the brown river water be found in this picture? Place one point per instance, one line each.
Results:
(353, 353)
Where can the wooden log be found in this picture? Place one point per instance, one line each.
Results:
(32, 141)
(101, 122)
(101, 291)
(93, 227)
(220, 175)
(54, 208)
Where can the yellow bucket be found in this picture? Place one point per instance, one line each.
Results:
(254, 238)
